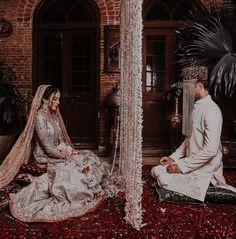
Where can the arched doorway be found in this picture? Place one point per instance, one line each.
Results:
(66, 55)
(161, 18)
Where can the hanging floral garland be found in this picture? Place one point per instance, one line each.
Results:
(131, 115)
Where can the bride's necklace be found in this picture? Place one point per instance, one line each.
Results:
(51, 116)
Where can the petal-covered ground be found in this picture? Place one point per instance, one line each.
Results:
(164, 220)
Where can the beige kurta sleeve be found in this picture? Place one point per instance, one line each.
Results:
(180, 152)
(46, 139)
(213, 125)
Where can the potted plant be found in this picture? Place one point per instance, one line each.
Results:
(12, 105)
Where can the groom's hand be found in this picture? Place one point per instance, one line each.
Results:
(173, 168)
(166, 160)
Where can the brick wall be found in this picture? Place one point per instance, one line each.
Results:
(109, 10)
(16, 50)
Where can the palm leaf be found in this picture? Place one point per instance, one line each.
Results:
(209, 39)
(223, 74)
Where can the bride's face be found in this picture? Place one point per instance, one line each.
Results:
(54, 100)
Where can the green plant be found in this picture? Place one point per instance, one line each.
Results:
(11, 105)
(209, 38)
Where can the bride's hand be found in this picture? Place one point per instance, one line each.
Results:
(64, 154)
(75, 152)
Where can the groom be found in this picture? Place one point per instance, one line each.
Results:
(198, 160)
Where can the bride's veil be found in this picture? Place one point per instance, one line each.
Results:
(21, 151)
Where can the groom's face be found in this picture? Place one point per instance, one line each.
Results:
(198, 90)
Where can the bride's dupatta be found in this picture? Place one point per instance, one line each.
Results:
(21, 151)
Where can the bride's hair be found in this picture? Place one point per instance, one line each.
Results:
(49, 91)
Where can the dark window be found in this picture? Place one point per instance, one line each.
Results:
(53, 61)
(81, 64)
(171, 4)
(181, 11)
(66, 4)
(80, 13)
(53, 14)
(68, 10)
(158, 12)
(168, 10)
(155, 62)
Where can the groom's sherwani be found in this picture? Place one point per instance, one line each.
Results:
(204, 162)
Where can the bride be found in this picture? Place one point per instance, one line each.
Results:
(72, 185)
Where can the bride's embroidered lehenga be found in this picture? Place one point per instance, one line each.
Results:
(72, 185)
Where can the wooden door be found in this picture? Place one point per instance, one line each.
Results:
(80, 97)
(68, 60)
(158, 73)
